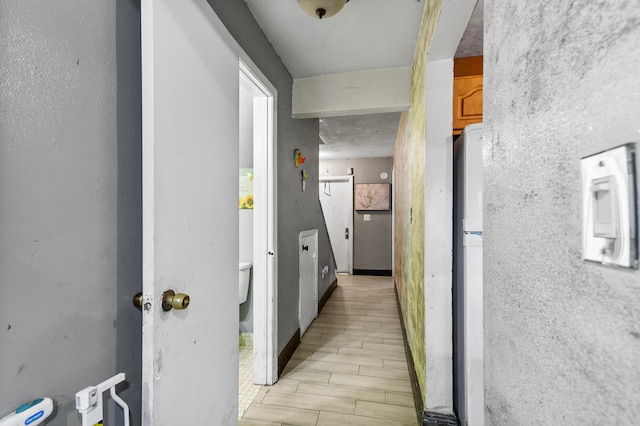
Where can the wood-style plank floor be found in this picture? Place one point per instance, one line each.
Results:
(350, 367)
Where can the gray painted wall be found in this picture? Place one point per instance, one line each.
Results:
(372, 239)
(70, 222)
(562, 337)
(129, 119)
(297, 210)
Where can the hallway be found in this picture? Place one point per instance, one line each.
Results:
(350, 367)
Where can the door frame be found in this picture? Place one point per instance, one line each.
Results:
(265, 297)
(393, 224)
(349, 179)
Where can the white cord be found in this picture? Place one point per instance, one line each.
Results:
(121, 403)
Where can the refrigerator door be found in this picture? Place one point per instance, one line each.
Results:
(472, 140)
(467, 278)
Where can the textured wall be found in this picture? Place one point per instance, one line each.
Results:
(70, 251)
(297, 210)
(409, 201)
(371, 239)
(562, 337)
(402, 220)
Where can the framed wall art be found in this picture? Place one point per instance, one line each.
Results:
(373, 196)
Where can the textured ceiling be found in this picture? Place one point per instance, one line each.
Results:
(359, 136)
(471, 43)
(366, 34)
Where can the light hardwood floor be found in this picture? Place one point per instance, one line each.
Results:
(350, 367)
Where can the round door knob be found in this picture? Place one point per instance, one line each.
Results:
(137, 300)
(171, 300)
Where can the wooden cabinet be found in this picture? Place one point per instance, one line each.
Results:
(467, 102)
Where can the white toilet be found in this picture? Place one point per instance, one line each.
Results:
(244, 280)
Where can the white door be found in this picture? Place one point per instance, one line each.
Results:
(336, 198)
(308, 270)
(190, 216)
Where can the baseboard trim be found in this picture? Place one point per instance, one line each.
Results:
(373, 272)
(434, 418)
(413, 377)
(327, 294)
(288, 351)
(425, 418)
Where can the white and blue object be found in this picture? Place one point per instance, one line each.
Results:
(32, 413)
(467, 274)
(89, 401)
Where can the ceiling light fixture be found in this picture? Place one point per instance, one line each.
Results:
(321, 8)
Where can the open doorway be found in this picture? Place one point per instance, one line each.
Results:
(257, 221)
(336, 199)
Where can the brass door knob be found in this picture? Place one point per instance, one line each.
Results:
(171, 300)
(137, 301)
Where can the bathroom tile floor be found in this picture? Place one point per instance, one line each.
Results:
(350, 367)
(247, 390)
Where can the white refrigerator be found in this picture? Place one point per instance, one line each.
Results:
(467, 275)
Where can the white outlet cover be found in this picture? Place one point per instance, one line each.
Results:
(615, 168)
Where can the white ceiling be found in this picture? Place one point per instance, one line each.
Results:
(364, 35)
